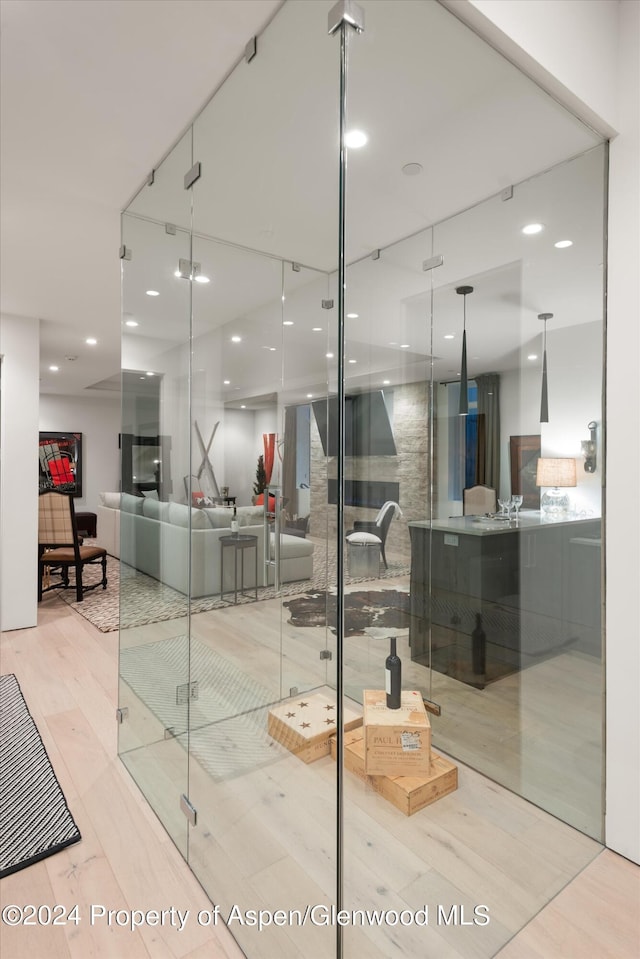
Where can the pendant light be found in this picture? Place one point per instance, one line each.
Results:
(463, 408)
(544, 397)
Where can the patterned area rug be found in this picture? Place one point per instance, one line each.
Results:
(135, 599)
(35, 821)
(363, 610)
(227, 714)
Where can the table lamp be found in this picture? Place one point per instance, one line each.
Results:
(557, 474)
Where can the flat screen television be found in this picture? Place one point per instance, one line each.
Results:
(366, 425)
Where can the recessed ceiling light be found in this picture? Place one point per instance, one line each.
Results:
(131, 323)
(355, 139)
(412, 169)
(243, 407)
(91, 341)
(449, 336)
(287, 322)
(329, 356)
(353, 361)
(150, 373)
(271, 349)
(54, 369)
(352, 316)
(404, 346)
(226, 382)
(309, 396)
(386, 382)
(236, 339)
(532, 356)
(532, 228)
(152, 293)
(177, 273)
(316, 329)
(563, 244)
(201, 278)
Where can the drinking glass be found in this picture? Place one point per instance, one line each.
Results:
(516, 502)
(504, 505)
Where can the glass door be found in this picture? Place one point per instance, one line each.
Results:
(148, 519)
(262, 656)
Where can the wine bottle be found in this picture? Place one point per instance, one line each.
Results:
(234, 522)
(478, 647)
(393, 676)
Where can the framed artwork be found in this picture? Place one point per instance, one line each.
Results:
(524, 453)
(60, 461)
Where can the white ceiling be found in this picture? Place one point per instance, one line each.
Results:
(95, 92)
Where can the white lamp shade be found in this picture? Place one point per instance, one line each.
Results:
(556, 472)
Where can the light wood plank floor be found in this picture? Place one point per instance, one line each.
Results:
(67, 670)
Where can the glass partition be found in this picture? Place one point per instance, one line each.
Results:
(277, 545)
(267, 700)
(148, 514)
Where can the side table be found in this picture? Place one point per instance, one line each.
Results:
(86, 523)
(239, 543)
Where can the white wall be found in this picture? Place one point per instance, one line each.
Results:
(20, 350)
(99, 422)
(586, 53)
(623, 456)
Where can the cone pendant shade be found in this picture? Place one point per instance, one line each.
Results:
(544, 394)
(463, 407)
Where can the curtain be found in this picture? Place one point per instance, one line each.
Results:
(489, 425)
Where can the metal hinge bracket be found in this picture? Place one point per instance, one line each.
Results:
(326, 654)
(193, 175)
(433, 262)
(346, 11)
(122, 713)
(327, 304)
(251, 49)
(125, 252)
(186, 691)
(432, 707)
(189, 810)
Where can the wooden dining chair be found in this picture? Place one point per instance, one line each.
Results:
(477, 500)
(59, 546)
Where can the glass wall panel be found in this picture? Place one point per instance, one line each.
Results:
(492, 641)
(264, 235)
(515, 603)
(147, 518)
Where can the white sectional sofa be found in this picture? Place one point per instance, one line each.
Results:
(153, 536)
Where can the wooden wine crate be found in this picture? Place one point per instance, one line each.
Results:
(409, 794)
(397, 742)
(304, 725)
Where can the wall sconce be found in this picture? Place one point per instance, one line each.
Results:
(589, 449)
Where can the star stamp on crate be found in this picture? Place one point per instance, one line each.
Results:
(305, 725)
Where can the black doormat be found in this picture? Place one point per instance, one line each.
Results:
(35, 821)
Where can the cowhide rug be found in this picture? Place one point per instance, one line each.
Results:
(384, 608)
